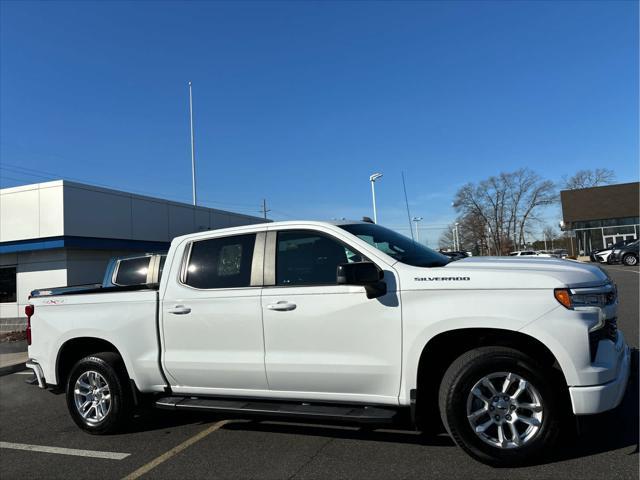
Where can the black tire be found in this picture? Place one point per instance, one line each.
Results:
(630, 260)
(111, 368)
(462, 376)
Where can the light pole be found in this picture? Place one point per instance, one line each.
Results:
(193, 147)
(457, 237)
(416, 220)
(373, 179)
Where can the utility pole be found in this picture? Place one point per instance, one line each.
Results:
(264, 208)
(193, 152)
(457, 237)
(544, 236)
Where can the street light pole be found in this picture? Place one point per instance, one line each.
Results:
(416, 220)
(457, 237)
(373, 179)
(193, 153)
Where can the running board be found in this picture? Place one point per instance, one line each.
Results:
(355, 413)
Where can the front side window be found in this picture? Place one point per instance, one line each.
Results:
(310, 258)
(221, 262)
(8, 285)
(397, 246)
(132, 271)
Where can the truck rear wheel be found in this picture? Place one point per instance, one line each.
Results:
(98, 394)
(498, 405)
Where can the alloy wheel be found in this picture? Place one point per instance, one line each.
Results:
(92, 397)
(630, 260)
(505, 410)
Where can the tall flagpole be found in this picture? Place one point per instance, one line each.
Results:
(193, 153)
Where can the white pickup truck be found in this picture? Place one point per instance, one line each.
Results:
(342, 322)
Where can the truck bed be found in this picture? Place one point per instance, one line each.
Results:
(89, 288)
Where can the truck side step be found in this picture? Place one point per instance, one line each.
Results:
(355, 413)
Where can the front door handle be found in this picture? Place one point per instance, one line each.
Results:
(179, 310)
(282, 306)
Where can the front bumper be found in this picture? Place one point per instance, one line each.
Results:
(600, 398)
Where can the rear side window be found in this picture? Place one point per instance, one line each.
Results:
(132, 271)
(221, 262)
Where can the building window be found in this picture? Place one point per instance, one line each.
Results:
(8, 284)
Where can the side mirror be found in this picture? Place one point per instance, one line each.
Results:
(366, 274)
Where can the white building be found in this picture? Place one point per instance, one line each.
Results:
(63, 233)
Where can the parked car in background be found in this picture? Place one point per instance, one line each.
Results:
(523, 253)
(530, 253)
(134, 270)
(125, 271)
(602, 255)
(560, 253)
(593, 253)
(627, 254)
(455, 255)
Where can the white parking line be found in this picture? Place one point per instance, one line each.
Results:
(637, 272)
(64, 451)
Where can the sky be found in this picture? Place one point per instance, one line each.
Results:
(299, 102)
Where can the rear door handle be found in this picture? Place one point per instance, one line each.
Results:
(282, 306)
(179, 310)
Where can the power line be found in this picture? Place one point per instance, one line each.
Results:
(54, 176)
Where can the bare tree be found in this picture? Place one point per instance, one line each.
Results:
(549, 235)
(446, 240)
(541, 193)
(472, 234)
(506, 206)
(588, 178)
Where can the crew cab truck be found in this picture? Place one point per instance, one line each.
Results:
(344, 321)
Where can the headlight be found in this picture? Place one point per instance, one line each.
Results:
(598, 297)
(572, 298)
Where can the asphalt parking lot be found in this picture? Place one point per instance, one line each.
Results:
(170, 445)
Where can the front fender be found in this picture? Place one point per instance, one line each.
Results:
(428, 314)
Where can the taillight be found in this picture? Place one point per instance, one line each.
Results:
(29, 310)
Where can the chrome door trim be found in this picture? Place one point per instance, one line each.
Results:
(270, 259)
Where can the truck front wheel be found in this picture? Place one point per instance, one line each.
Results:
(98, 395)
(498, 405)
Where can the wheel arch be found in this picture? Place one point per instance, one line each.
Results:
(77, 348)
(442, 349)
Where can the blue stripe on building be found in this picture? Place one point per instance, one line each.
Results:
(82, 243)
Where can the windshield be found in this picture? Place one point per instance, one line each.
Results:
(397, 246)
